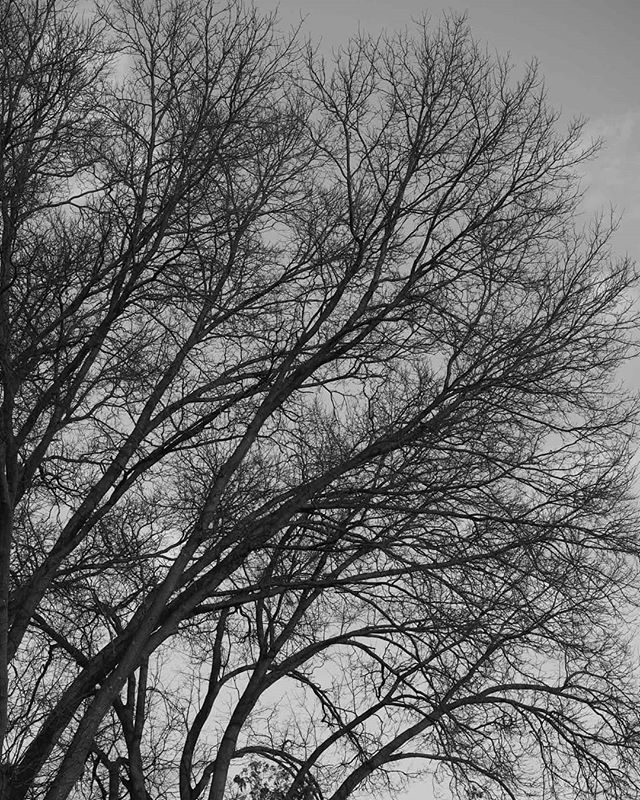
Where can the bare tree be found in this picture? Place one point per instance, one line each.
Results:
(315, 471)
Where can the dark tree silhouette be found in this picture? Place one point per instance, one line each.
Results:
(314, 464)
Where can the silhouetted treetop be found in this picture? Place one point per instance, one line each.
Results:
(314, 463)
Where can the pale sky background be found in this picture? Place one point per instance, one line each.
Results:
(589, 53)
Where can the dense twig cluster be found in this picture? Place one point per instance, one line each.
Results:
(314, 470)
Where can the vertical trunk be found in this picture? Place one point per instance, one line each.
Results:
(134, 737)
(229, 740)
(6, 535)
(8, 484)
(114, 780)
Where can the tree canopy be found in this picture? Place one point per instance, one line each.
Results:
(315, 466)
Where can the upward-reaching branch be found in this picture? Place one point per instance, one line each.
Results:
(308, 397)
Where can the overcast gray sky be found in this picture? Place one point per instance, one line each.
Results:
(589, 53)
